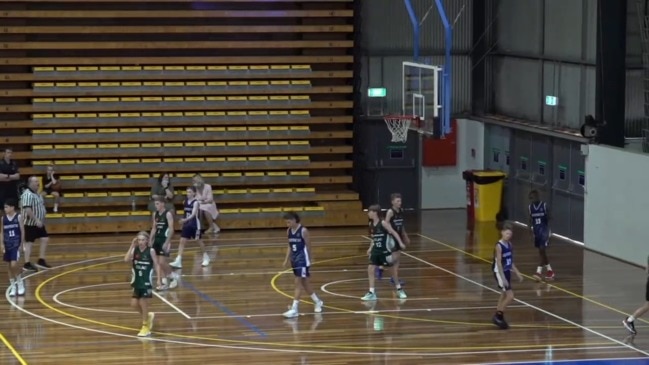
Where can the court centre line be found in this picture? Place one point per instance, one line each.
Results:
(224, 309)
(13, 350)
(548, 284)
(171, 305)
(529, 305)
(303, 349)
(363, 312)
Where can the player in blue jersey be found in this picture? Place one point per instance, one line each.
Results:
(299, 254)
(502, 266)
(13, 238)
(540, 228)
(191, 230)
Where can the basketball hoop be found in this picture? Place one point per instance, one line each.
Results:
(399, 126)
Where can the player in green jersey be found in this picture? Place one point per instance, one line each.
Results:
(143, 259)
(378, 251)
(162, 229)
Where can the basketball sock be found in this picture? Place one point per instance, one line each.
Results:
(295, 304)
(12, 281)
(539, 269)
(314, 297)
(372, 290)
(548, 267)
(630, 319)
(398, 286)
(500, 314)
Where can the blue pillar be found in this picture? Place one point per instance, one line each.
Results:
(446, 72)
(415, 29)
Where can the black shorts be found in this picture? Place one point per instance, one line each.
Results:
(32, 233)
(142, 293)
(501, 283)
(380, 259)
(158, 248)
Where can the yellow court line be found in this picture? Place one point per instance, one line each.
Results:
(40, 299)
(13, 350)
(529, 277)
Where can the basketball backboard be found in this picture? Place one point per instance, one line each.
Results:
(421, 94)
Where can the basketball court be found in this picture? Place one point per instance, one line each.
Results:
(230, 312)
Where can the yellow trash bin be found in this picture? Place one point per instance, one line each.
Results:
(484, 190)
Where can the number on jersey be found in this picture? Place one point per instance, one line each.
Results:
(537, 220)
(294, 247)
(12, 233)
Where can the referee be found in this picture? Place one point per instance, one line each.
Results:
(33, 211)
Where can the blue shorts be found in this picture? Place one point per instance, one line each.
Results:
(541, 237)
(500, 282)
(191, 233)
(301, 272)
(11, 254)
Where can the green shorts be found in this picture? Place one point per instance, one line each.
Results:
(381, 259)
(139, 293)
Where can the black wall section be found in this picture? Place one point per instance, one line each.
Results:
(478, 74)
(611, 69)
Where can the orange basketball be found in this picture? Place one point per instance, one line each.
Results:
(56, 187)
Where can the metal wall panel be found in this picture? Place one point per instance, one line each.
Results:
(633, 40)
(634, 108)
(519, 26)
(566, 82)
(387, 72)
(387, 29)
(518, 87)
(590, 26)
(563, 29)
(522, 174)
(497, 148)
(567, 193)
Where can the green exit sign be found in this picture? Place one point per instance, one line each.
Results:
(377, 92)
(551, 100)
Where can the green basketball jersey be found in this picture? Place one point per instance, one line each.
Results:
(161, 227)
(142, 270)
(379, 238)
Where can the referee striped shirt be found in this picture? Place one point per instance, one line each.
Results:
(29, 199)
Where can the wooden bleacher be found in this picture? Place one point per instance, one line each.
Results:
(115, 92)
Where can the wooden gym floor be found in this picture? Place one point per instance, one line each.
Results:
(230, 312)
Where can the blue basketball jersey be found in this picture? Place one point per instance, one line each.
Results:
(11, 231)
(189, 208)
(539, 216)
(299, 254)
(507, 256)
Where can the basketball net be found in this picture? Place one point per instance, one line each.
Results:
(399, 126)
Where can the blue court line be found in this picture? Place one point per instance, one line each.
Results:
(224, 309)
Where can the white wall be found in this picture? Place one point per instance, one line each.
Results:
(616, 203)
(443, 187)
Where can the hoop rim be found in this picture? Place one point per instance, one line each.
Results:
(400, 117)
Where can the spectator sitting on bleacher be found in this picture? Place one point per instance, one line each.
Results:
(207, 206)
(163, 189)
(52, 186)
